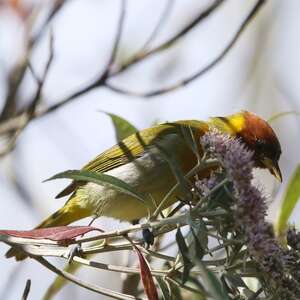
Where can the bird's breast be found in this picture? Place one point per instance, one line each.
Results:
(149, 175)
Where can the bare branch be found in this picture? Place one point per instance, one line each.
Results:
(14, 123)
(37, 98)
(203, 71)
(163, 18)
(17, 74)
(74, 279)
(100, 81)
(165, 45)
(57, 6)
(118, 36)
(30, 110)
(26, 290)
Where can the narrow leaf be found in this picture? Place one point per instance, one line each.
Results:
(184, 251)
(164, 288)
(211, 282)
(290, 199)
(197, 238)
(175, 292)
(189, 138)
(147, 278)
(101, 179)
(283, 114)
(123, 128)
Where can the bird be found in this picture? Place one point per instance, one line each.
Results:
(140, 161)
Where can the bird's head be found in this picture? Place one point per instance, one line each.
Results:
(258, 135)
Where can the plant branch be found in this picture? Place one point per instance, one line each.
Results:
(163, 18)
(74, 279)
(26, 290)
(14, 122)
(117, 41)
(141, 56)
(199, 73)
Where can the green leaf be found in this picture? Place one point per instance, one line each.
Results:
(189, 138)
(290, 199)
(197, 238)
(195, 283)
(165, 290)
(101, 179)
(212, 283)
(282, 114)
(123, 128)
(184, 251)
(175, 292)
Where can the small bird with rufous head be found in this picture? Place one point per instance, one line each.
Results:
(138, 161)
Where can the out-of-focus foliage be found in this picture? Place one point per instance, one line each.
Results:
(289, 201)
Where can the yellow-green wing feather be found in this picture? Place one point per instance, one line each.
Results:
(133, 147)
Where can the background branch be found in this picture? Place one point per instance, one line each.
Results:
(26, 290)
(200, 73)
(15, 122)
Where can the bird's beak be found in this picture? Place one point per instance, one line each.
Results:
(273, 167)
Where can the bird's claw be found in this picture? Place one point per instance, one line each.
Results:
(75, 250)
(148, 237)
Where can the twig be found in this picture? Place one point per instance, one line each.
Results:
(17, 74)
(99, 81)
(166, 44)
(41, 81)
(117, 41)
(74, 279)
(119, 269)
(157, 254)
(203, 71)
(178, 220)
(28, 115)
(198, 168)
(57, 6)
(163, 18)
(14, 123)
(183, 286)
(26, 290)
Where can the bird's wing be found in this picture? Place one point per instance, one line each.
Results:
(133, 147)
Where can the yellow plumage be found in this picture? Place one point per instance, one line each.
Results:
(138, 162)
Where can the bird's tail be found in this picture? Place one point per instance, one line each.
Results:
(64, 216)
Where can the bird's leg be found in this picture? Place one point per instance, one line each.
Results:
(75, 250)
(148, 236)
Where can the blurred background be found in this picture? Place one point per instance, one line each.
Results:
(260, 73)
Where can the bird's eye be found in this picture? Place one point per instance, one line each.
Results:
(260, 144)
(259, 141)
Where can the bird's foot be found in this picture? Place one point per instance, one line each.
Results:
(148, 237)
(75, 250)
